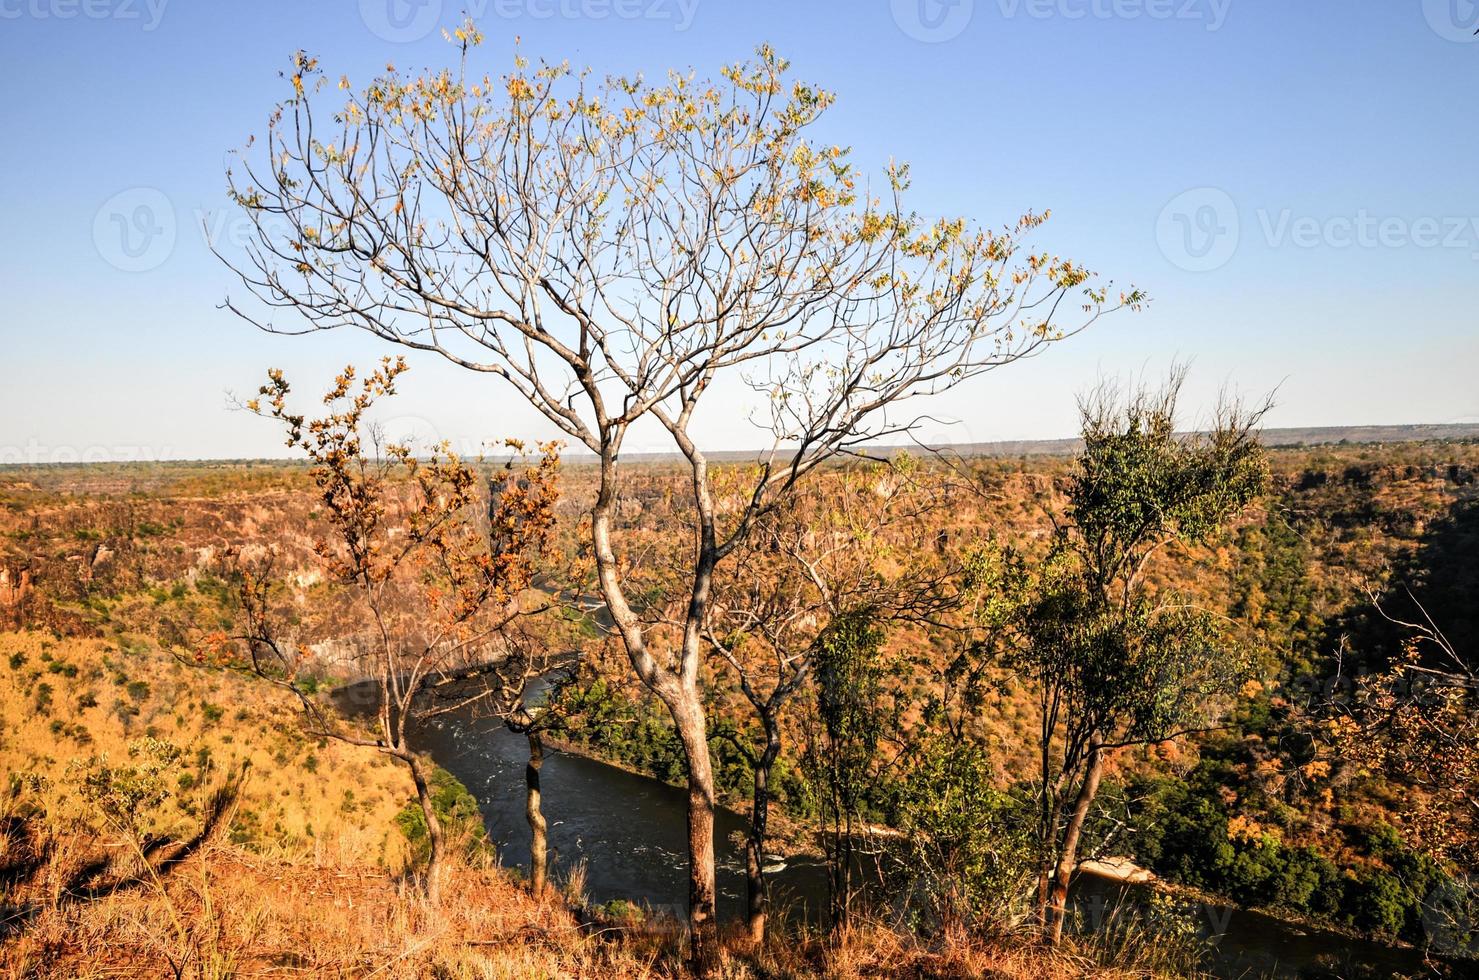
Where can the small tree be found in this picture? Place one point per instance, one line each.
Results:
(852, 715)
(616, 251)
(760, 624)
(1115, 663)
(436, 561)
(537, 711)
(849, 542)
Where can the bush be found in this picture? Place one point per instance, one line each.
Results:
(457, 811)
(1377, 902)
(969, 846)
(130, 797)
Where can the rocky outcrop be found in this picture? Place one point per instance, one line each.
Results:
(15, 585)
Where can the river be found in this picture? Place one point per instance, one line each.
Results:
(630, 832)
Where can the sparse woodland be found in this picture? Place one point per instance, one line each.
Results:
(1308, 797)
(952, 680)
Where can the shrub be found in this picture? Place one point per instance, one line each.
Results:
(456, 809)
(969, 845)
(129, 797)
(1377, 902)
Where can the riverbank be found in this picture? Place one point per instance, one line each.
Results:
(1252, 942)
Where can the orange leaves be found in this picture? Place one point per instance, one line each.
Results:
(214, 649)
(437, 549)
(1241, 828)
(519, 89)
(1315, 769)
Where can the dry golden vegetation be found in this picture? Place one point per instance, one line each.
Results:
(300, 872)
(251, 916)
(109, 572)
(69, 700)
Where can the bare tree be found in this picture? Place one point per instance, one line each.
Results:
(847, 543)
(1415, 723)
(436, 561)
(614, 251)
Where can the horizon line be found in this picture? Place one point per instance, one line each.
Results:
(1275, 437)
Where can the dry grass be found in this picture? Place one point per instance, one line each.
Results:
(248, 916)
(302, 879)
(68, 700)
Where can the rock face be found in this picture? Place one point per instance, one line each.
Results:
(14, 587)
(1118, 869)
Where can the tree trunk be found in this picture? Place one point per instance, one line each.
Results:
(1044, 892)
(1052, 811)
(538, 839)
(433, 880)
(1068, 857)
(755, 848)
(677, 689)
(703, 926)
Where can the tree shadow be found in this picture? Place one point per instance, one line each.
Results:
(96, 878)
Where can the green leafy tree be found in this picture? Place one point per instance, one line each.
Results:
(1115, 662)
(848, 670)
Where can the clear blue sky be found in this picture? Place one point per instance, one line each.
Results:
(1333, 142)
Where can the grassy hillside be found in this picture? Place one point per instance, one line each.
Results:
(299, 874)
(66, 701)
